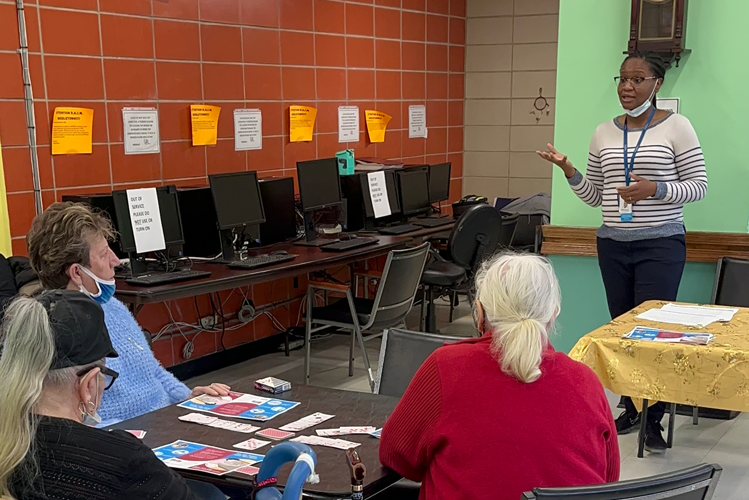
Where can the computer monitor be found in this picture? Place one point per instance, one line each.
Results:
(171, 223)
(414, 190)
(238, 204)
(393, 198)
(439, 182)
(319, 187)
(105, 204)
(280, 213)
(237, 199)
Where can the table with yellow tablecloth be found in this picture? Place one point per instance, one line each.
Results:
(711, 376)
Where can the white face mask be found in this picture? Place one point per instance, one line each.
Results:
(639, 110)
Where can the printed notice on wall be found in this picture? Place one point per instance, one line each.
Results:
(378, 193)
(248, 129)
(301, 123)
(141, 131)
(72, 130)
(348, 124)
(145, 218)
(204, 121)
(377, 124)
(417, 121)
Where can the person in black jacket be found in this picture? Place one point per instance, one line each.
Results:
(54, 373)
(16, 277)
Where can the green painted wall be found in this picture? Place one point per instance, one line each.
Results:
(711, 82)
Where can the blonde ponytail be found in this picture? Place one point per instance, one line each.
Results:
(520, 297)
(28, 349)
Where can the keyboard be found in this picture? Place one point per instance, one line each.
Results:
(434, 222)
(344, 245)
(402, 229)
(260, 261)
(162, 278)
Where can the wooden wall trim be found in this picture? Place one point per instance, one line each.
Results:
(701, 246)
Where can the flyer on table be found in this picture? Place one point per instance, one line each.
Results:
(240, 405)
(199, 457)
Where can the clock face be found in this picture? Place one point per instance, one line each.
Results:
(657, 19)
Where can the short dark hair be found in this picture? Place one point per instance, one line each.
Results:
(59, 237)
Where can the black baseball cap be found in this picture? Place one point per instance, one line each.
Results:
(77, 322)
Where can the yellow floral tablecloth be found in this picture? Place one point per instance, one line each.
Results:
(711, 376)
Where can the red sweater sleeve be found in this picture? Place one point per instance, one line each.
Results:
(407, 438)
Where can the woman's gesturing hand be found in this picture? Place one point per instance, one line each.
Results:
(638, 190)
(557, 158)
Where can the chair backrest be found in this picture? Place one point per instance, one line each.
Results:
(507, 230)
(524, 235)
(731, 283)
(398, 285)
(694, 483)
(475, 236)
(401, 354)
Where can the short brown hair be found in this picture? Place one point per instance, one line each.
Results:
(60, 237)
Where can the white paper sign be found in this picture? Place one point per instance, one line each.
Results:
(145, 218)
(417, 121)
(141, 131)
(669, 104)
(348, 124)
(378, 193)
(248, 129)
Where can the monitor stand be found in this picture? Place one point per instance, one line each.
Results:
(310, 234)
(138, 264)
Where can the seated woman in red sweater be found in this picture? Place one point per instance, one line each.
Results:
(495, 416)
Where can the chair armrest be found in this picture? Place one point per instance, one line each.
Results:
(369, 274)
(325, 285)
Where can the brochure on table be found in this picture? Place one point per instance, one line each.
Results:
(240, 405)
(658, 335)
(199, 457)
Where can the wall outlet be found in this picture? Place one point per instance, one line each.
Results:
(208, 322)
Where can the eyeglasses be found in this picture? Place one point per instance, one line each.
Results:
(636, 81)
(109, 375)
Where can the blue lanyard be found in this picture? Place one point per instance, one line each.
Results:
(629, 165)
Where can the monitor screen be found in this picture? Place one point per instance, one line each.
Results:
(393, 198)
(439, 182)
(319, 185)
(414, 187)
(171, 221)
(237, 199)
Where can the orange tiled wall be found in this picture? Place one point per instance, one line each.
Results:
(266, 54)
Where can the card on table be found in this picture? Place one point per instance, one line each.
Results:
(343, 431)
(340, 444)
(251, 444)
(138, 434)
(306, 422)
(376, 433)
(197, 418)
(274, 434)
(249, 470)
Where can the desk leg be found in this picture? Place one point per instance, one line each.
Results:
(643, 425)
(308, 333)
(695, 415)
(671, 424)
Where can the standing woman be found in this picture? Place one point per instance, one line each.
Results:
(643, 166)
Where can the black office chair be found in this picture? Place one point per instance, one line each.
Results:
(524, 235)
(391, 305)
(694, 483)
(473, 238)
(731, 283)
(401, 354)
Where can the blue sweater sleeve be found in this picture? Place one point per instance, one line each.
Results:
(177, 391)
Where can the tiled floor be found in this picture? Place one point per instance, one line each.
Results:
(714, 441)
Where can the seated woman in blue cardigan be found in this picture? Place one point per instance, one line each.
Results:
(68, 248)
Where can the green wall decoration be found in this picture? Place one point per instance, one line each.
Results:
(711, 82)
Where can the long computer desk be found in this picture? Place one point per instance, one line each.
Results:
(311, 259)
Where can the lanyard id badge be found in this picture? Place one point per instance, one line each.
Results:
(625, 209)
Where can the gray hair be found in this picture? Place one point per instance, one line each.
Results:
(521, 300)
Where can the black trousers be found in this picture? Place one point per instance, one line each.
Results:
(634, 272)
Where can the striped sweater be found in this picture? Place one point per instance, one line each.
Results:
(670, 155)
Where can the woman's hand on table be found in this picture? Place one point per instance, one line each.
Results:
(211, 390)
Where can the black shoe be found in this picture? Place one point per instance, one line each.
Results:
(654, 442)
(626, 423)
